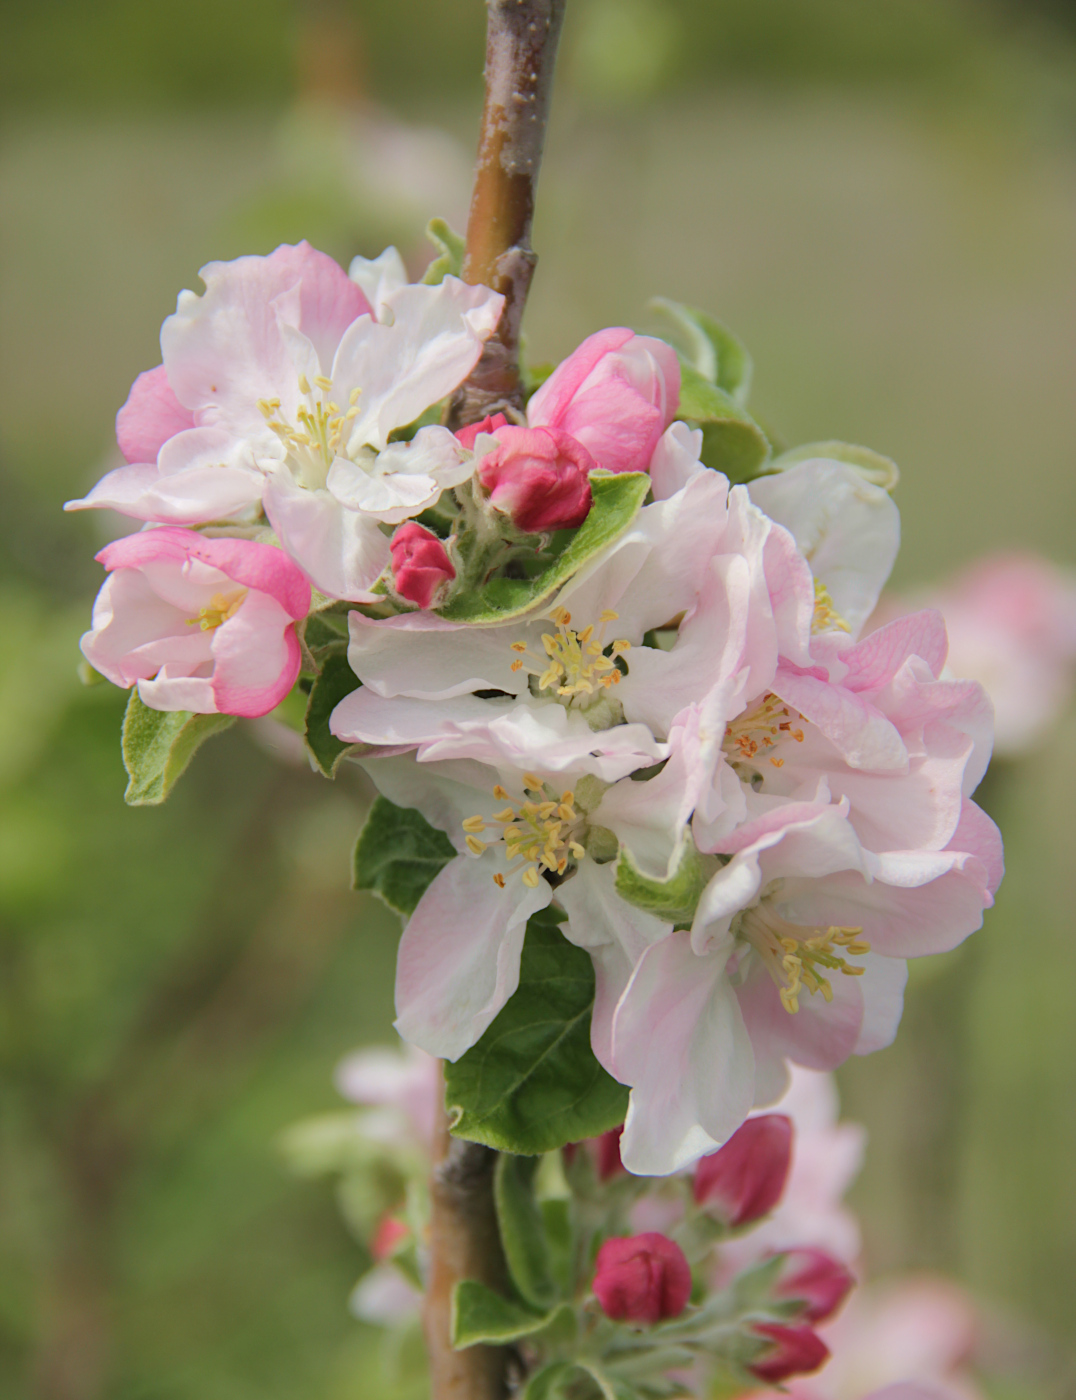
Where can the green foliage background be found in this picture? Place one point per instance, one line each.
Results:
(881, 200)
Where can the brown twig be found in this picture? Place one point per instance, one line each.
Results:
(521, 47)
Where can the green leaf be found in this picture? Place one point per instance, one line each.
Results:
(878, 470)
(732, 442)
(532, 1083)
(398, 855)
(158, 745)
(325, 628)
(557, 1224)
(710, 348)
(548, 1383)
(450, 250)
(675, 898)
(480, 1315)
(335, 680)
(616, 502)
(522, 1229)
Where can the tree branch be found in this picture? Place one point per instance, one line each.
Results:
(521, 47)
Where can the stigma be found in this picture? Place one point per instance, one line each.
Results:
(798, 956)
(575, 666)
(539, 832)
(219, 609)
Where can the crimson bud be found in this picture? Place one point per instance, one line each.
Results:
(642, 1278)
(816, 1279)
(539, 477)
(489, 424)
(421, 567)
(743, 1180)
(796, 1351)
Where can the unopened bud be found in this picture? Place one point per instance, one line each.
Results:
(489, 424)
(743, 1180)
(642, 1278)
(391, 1233)
(539, 477)
(794, 1351)
(817, 1280)
(421, 568)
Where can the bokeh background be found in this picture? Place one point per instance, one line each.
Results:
(880, 198)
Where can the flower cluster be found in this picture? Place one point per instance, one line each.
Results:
(618, 685)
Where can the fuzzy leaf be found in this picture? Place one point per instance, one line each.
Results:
(880, 471)
(398, 855)
(674, 899)
(531, 1083)
(616, 502)
(480, 1315)
(158, 745)
(522, 1229)
(710, 348)
(335, 680)
(450, 250)
(732, 442)
(548, 1383)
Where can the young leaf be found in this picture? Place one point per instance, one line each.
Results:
(878, 470)
(711, 349)
(158, 745)
(732, 442)
(450, 250)
(398, 855)
(335, 680)
(549, 1382)
(480, 1315)
(532, 1083)
(616, 502)
(522, 1229)
(674, 899)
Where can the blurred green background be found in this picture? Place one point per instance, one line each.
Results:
(881, 199)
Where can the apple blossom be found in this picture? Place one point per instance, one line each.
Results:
(642, 1278)
(539, 478)
(279, 390)
(744, 1179)
(421, 568)
(198, 623)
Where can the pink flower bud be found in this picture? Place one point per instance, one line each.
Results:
(539, 477)
(642, 1278)
(489, 424)
(816, 1279)
(744, 1179)
(796, 1351)
(604, 1153)
(421, 568)
(391, 1233)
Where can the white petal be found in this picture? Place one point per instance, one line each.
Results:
(342, 551)
(421, 654)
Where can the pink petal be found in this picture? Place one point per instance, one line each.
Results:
(151, 415)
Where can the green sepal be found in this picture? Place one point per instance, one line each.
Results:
(674, 899)
(877, 469)
(732, 442)
(335, 680)
(480, 1315)
(324, 629)
(158, 745)
(616, 503)
(450, 250)
(710, 348)
(398, 855)
(522, 1230)
(531, 1083)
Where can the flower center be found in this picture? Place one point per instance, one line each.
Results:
(757, 731)
(826, 617)
(219, 609)
(540, 832)
(575, 664)
(797, 956)
(314, 441)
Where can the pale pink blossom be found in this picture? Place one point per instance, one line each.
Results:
(198, 623)
(616, 394)
(1011, 620)
(279, 390)
(421, 568)
(404, 1086)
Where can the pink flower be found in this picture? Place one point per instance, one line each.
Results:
(403, 1087)
(817, 1280)
(421, 568)
(743, 1180)
(795, 1351)
(642, 1278)
(539, 477)
(206, 625)
(616, 394)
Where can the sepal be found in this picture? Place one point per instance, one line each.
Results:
(673, 899)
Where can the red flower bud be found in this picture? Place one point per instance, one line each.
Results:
(744, 1179)
(795, 1352)
(539, 477)
(420, 564)
(816, 1279)
(642, 1278)
(488, 424)
(606, 1152)
(390, 1233)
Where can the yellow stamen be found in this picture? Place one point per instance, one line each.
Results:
(826, 617)
(542, 833)
(218, 610)
(575, 665)
(793, 954)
